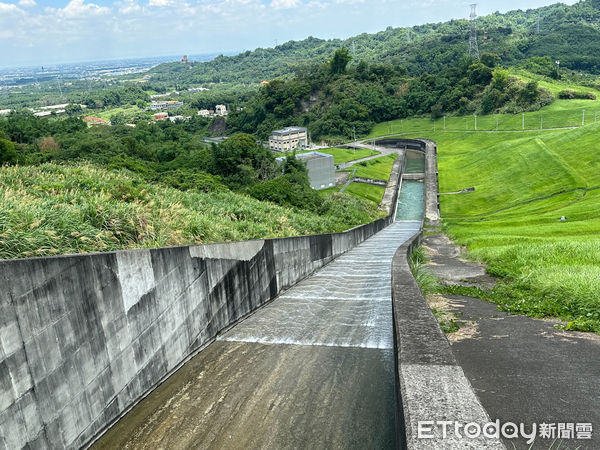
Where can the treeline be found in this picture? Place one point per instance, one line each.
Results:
(339, 101)
(171, 154)
(570, 34)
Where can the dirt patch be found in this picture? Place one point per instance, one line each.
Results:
(445, 310)
(446, 263)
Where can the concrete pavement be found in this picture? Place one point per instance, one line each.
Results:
(523, 370)
(314, 368)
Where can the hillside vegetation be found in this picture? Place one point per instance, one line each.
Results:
(524, 183)
(570, 34)
(56, 209)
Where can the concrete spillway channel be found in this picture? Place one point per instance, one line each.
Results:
(314, 368)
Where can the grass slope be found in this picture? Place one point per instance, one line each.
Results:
(366, 191)
(376, 168)
(53, 209)
(524, 183)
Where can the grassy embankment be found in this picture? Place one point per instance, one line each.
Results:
(342, 155)
(377, 168)
(53, 209)
(524, 183)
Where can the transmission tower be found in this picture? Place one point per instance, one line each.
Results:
(473, 48)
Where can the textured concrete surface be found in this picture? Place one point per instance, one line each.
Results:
(523, 370)
(431, 385)
(84, 337)
(446, 263)
(526, 371)
(390, 196)
(314, 368)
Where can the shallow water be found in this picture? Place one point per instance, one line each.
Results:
(411, 201)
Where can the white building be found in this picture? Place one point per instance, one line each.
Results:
(169, 104)
(288, 139)
(221, 110)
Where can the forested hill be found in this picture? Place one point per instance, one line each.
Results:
(570, 34)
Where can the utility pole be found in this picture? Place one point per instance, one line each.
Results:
(444, 123)
(475, 115)
(523, 121)
(354, 133)
(496, 123)
(582, 117)
(541, 122)
(557, 68)
(473, 47)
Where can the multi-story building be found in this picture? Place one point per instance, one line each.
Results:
(221, 110)
(169, 104)
(288, 139)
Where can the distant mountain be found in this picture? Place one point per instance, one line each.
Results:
(570, 34)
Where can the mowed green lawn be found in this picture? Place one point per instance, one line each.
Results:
(524, 183)
(366, 191)
(376, 168)
(343, 155)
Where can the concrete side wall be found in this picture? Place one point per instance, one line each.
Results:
(83, 338)
(432, 204)
(431, 386)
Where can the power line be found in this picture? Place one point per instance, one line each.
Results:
(473, 47)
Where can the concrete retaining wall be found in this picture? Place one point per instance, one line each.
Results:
(431, 386)
(372, 181)
(83, 338)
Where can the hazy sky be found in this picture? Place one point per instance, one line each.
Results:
(49, 31)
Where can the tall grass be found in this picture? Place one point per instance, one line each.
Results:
(53, 209)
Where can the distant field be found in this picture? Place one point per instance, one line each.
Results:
(377, 168)
(129, 111)
(524, 183)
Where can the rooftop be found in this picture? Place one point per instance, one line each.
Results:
(307, 156)
(289, 130)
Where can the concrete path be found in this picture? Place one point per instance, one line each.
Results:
(313, 369)
(523, 370)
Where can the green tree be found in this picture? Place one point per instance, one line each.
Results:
(490, 59)
(8, 152)
(340, 61)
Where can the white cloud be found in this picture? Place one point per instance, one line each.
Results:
(129, 7)
(79, 9)
(8, 8)
(27, 3)
(285, 4)
(161, 3)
